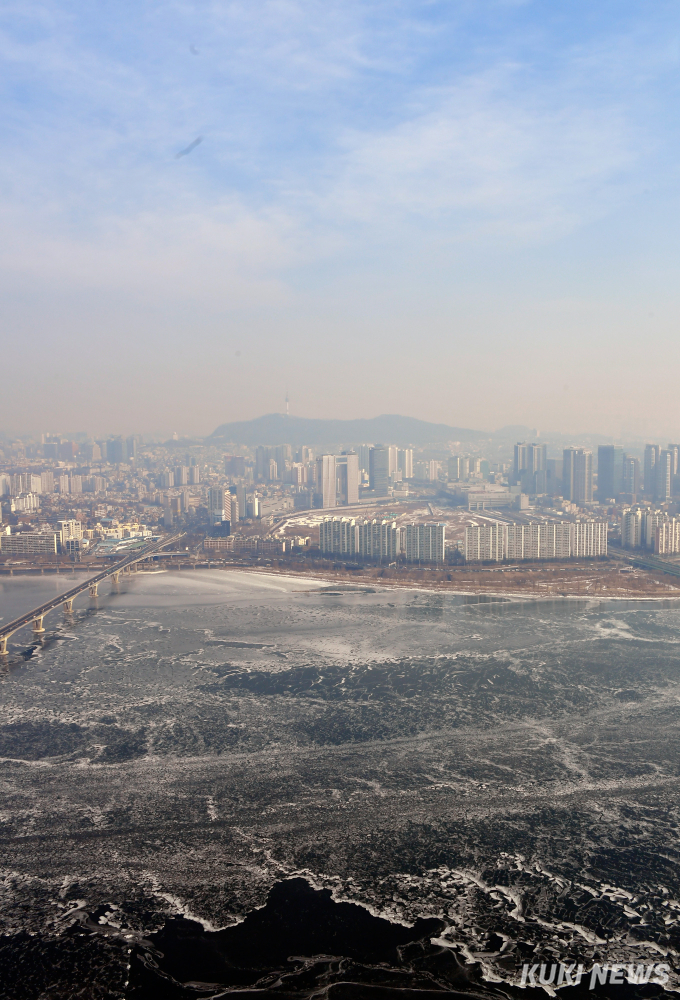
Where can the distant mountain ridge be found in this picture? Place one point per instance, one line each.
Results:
(277, 428)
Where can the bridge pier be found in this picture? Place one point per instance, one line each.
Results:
(38, 625)
(115, 577)
(94, 590)
(3, 645)
(68, 606)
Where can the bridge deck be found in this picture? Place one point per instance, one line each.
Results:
(7, 630)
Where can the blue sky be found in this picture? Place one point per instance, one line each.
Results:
(463, 211)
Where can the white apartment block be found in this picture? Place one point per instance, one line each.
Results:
(424, 542)
(667, 537)
(379, 540)
(517, 542)
(589, 539)
(29, 543)
(69, 529)
(485, 543)
(639, 527)
(632, 529)
(382, 540)
(339, 535)
(326, 480)
(26, 502)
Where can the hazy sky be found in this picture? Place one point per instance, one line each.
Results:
(461, 211)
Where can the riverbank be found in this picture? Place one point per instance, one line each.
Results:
(585, 580)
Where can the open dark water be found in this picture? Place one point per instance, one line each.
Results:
(204, 775)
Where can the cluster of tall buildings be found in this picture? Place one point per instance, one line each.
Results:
(115, 450)
(619, 473)
(551, 540)
(642, 528)
(181, 475)
(382, 540)
(22, 485)
(570, 477)
(332, 480)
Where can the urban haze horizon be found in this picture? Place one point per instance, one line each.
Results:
(507, 432)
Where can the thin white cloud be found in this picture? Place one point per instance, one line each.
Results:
(476, 166)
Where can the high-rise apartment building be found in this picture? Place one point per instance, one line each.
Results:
(116, 451)
(181, 475)
(632, 529)
(631, 475)
(282, 455)
(64, 485)
(530, 466)
(364, 454)
(554, 540)
(667, 537)
(326, 480)
(234, 465)
(339, 535)
(382, 540)
(485, 543)
(69, 529)
(588, 539)
(459, 468)
(47, 482)
(424, 542)
(297, 474)
(379, 540)
(577, 475)
(610, 460)
(219, 506)
(262, 456)
(194, 475)
(649, 475)
(240, 502)
(405, 463)
(379, 470)
(347, 474)
(651, 521)
(663, 478)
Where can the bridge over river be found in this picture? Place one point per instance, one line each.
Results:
(65, 600)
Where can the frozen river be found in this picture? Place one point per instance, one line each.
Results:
(494, 780)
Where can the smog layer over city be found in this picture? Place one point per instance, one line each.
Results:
(340, 495)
